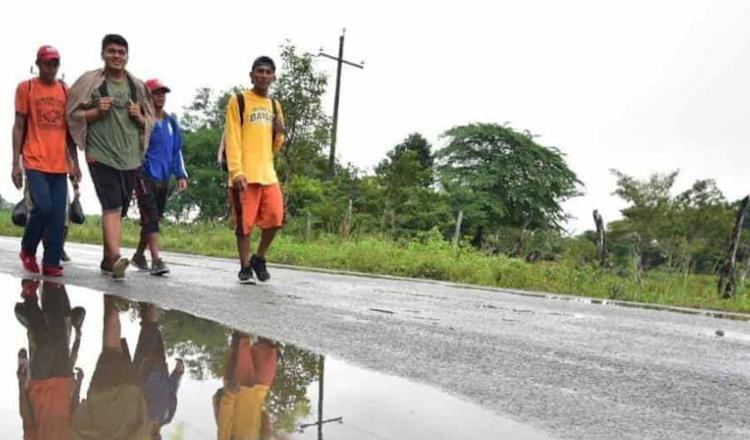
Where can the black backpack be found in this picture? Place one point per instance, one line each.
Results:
(241, 108)
(104, 92)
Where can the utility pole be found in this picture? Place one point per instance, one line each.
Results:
(319, 424)
(340, 61)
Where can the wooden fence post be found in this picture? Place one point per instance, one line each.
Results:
(457, 232)
(601, 239)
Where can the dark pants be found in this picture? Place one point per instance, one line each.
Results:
(152, 198)
(149, 353)
(49, 194)
(48, 336)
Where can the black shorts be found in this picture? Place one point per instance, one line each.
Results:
(152, 200)
(113, 368)
(114, 187)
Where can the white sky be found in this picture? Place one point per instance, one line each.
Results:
(641, 86)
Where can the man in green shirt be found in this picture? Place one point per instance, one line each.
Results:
(110, 115)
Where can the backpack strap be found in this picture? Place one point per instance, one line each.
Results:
(64, 88)
(104, 92)
(241, 107)
(28, 115)
(172, 122)
(133, 90)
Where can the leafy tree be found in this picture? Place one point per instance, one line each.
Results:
(300, 88)
(207, 189)
(197, 115)
(4, 204)
(514, 181)
(201, 343)
(405, 177)
(287, 401)
(685, 232)
(408, 164)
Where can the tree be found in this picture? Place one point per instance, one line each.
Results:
(300, 88)
(514, 181)
(406, 175)
(206, 195)
(4, 204)
(685, 232)
(207, 111)
(408, 164)
(201, 343)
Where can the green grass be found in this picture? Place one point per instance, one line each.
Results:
(432, 259)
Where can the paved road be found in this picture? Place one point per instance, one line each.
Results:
(571, 369)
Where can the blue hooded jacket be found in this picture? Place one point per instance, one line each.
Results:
(164, 154)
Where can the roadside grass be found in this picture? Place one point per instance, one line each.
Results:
(430, 259)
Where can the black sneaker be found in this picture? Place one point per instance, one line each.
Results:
(139, 261)
(246, 275)
(21, 315)
(158, 267)
(106, 267)
(259, 266)
(77, 315)
(64, 256)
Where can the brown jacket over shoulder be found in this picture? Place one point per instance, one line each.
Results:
(79, 99)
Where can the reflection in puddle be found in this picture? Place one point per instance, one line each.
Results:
(93, 366)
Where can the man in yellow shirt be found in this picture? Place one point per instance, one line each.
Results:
(239, 406)
(254, 131)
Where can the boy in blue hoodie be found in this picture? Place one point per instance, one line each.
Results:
(163, 160)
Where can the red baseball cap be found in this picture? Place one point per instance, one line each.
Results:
(154, 85)
(47, 53)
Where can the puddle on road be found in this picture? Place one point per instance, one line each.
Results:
(143, 372)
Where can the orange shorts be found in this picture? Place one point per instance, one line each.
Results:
(261, 205)
(256, 364)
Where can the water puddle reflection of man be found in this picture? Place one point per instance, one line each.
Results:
(48, 386)
(239, 404)
(129, 398)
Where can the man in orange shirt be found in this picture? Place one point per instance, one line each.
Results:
(254, 131)
(41, 148)
(49, 390)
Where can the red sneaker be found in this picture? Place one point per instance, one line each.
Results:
(29, 262)
(29, 288)
(52, 271)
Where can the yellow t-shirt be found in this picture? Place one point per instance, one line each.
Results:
(240, 413)
(251, 145)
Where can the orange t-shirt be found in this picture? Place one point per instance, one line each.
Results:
(50, 399)
(44, 107)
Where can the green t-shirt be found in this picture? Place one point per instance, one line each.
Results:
(114, 140)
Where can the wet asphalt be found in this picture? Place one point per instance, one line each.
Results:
(570, 369)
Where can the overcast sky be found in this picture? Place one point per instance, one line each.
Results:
(640, 86)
